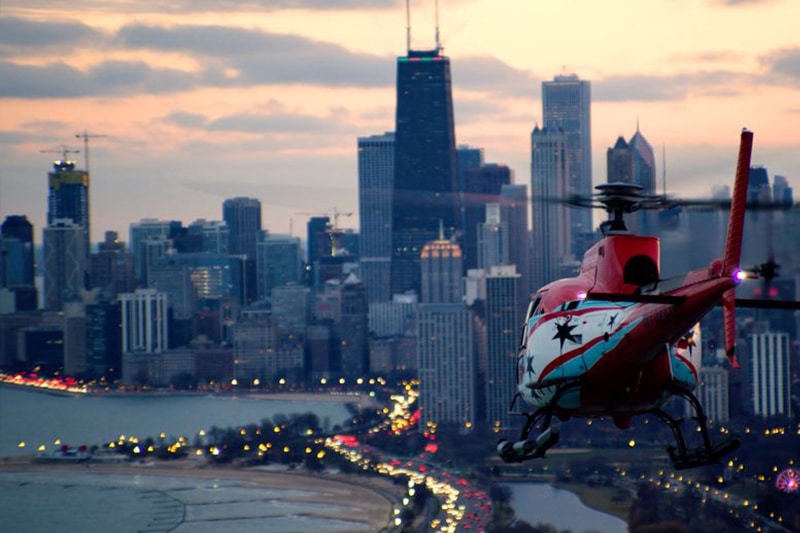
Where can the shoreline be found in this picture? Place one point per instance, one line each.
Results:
(365, 500)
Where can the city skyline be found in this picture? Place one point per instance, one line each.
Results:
(267, 101)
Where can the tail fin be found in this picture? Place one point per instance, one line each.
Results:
(733, 242)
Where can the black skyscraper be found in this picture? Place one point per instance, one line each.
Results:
(17, 262)
(425, 184)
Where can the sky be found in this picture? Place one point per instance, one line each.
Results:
(190, 102)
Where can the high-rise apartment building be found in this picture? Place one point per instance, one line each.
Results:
(770, 374)
(144, 321)
(502, 345)
(425, 190)
(64, 263)
(714, 393)
(446, 365)
(68, 197)
(566, 105)
(551, 226)
(375, 184)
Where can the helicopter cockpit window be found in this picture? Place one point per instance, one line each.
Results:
(533, 308)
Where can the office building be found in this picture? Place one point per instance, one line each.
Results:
(375, 184)
(64, 263)
(68, 197)
(142, 231)
(278, 262)
(482, 186)
(441, 272)
(425, 190)
(104, 340)
(243, 218)
(514, 214)
(111, 267)
(17, 262)
(213, 234)
(551, 220)
(493, 244)
(566, 105)
(75, 339)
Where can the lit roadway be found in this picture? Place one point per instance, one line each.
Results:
(462, 506)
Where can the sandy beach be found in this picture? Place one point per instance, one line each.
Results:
(361, 501)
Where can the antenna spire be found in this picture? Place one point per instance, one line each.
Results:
(408, 28)
(438, 45)
(664, 167)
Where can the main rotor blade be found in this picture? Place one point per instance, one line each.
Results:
(768, 304)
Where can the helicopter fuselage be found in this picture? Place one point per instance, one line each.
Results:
(587, 356)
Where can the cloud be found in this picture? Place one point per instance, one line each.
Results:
(58, 80)
(205, 6)
(734, 3)
(19, 35)
(784, 65)
(258, 57)
(661, 88)
(489, 74)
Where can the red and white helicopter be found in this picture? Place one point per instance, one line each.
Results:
(616, 341)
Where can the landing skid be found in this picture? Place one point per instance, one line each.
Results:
(683, 457)
(526, 448)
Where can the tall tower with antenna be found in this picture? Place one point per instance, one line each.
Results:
(425, 188)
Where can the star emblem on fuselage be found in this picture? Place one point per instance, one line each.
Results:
(530, 369)
(564, 332)
(611, 320)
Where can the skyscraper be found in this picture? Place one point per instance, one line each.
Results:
(770, 374)
(514, 213)
(566, 104)
(425, 180)
(16, 261)
(551, 227)
(68, 197)
(243, 217)
(64, 263)
(144, 321)
(619, 162)
(375, 183)
(277, 262)
(441, 264)
(482, 186)
(139, 233)
(502, 335)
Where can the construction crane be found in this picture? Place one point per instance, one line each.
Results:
(335, 215)
(86, 136)
(63, 151)
(334, 232)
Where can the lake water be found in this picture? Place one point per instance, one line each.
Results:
(39, 418)
(541, 503)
